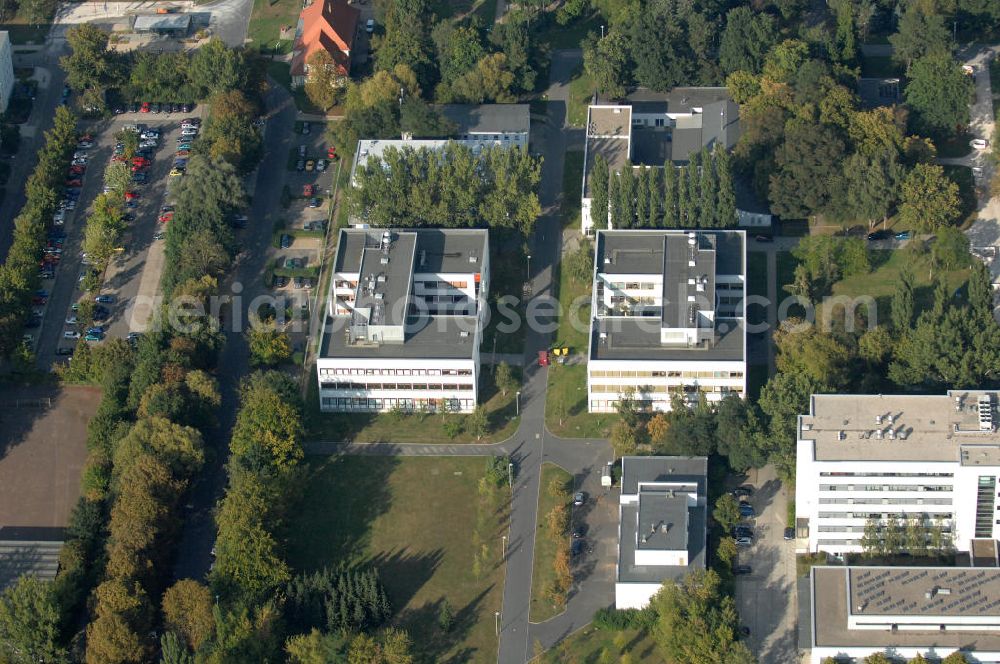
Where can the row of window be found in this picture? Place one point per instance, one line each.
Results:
(663, 389)
(885, 487)
(601, 405)
(874, 515)
(861, 529)
(859, 474)
(339, 371)
(445, 285)
(447, 387)
(374, 405)
(885, 501)
(599, 373)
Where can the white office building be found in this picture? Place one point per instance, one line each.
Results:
(404, 321)
(653, 129)
(667, 317)
(933, 458)
(6, 70)
(476, 126)
(662, 525)
(850, 613)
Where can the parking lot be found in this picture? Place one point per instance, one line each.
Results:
(136, 271)
(766, 597)
(300, 234)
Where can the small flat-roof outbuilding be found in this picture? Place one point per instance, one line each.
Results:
(164, 24)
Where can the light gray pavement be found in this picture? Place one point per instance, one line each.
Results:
(766, 598)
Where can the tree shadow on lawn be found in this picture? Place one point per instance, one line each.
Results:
(342, 498)
(431, 642)
(403, 573)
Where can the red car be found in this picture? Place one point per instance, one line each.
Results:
(138, 169)
(183, 153)
(131, 195)
(75, 182)
(140, 161)
(165, 218)
(145, 107)
(331, 153)
(307, 190)
(38, 299)
(76, 170)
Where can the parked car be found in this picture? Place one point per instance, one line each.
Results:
(740, 530)
(166, 208)
(93, 337)
(321, 165)
(306, 128)
(744, 541)
(166, 218)
(789, 533)
(139, 178)
(174, 172)
(71, 320)
(293, 263)
(145, 108)
(747, 510)
(157, 107)
(300, 165)
(159, 236)
(187, 108)
(64, 350)
(577, 547)
(308, 190)
(370, 26)
(315, 202)
(184, 146)
(879, 235)
(904, 235)
(75, 182)
(979, 143)
(286, 241)
(302, 151)
(579, 498)
(742, 569)
(280, 282)
(240, 220)
(744, 491)
(310, 165)
(105, 299)
(189, 132)
(314, 225)
(70, 334)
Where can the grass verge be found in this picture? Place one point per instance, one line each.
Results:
(362, 511)
(543, 573)
(566, 405)
(569, 211)
(581, 90)
(267, 19)
(412, 427)
(592, 644)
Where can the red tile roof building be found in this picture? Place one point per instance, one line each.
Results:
(328, 25)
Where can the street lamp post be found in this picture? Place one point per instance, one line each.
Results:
(517, 403)
(510, 475)
(496, 616)
(529, 267)
(503, 547)
(602, 32)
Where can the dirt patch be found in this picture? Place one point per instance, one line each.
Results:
(43, 432)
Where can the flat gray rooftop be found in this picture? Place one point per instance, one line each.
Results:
(488, 118)
(438, 250)
(639, 339)
(674, 469)
(609, 121)
(613, 150)
(890, 591)
(629, 572)
(662, 521)
(829, 597)
(926, 428)
(641, 251)
(435, 337)
(29, 550)
(651, 147)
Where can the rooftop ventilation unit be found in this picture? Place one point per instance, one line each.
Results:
(878, 419)
(463, 334)
(472, 259)
(841, 435)
(985, 404)
(384, 260)
(892, 433)
(878, 434)
(958, 403)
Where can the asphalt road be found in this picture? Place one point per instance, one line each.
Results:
(194, 552)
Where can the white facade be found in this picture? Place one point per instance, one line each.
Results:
(6, 71)
(637, 341)
(425, 356)
(929, 458)
(662, 525)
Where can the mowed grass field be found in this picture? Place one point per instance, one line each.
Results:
(430, 531)
(592, 645)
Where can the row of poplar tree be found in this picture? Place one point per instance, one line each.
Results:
(698, 195)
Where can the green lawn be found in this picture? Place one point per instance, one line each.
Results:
(569, 210)
(545, 547)
(508, 269)
(411, 428)
(570, 36)
(592, 645)
(581, 91)
(566, 405)
(267, 19)
(574, 305)
(423, 522)
(756, 284)
(881, 283)
(966, 190)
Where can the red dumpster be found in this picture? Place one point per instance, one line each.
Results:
(543, 358)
